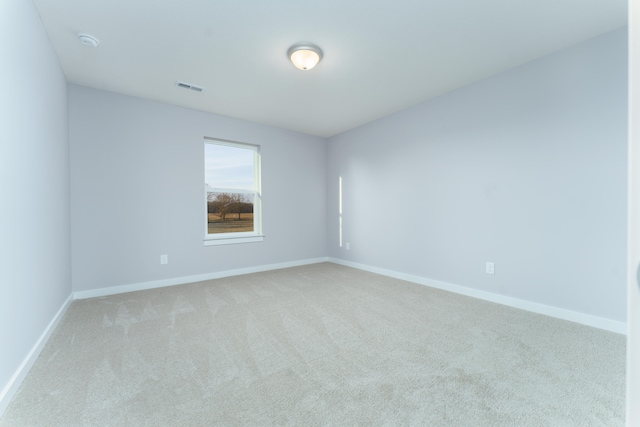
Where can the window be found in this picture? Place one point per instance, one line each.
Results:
(340, 211)
(232, 192)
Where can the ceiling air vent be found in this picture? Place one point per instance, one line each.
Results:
(189, 86)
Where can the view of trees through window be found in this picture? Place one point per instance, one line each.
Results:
(229, 212)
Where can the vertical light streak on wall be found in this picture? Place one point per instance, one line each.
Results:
(340, 209)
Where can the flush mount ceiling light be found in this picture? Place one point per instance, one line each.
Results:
(304, 56)
(88, 40)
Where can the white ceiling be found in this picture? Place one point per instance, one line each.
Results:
(380, 56)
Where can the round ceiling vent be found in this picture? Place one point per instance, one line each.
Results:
(88, 40)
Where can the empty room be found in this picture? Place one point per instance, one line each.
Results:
(318, 213)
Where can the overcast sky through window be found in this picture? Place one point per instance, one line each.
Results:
(228, 167)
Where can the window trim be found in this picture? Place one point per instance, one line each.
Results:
(256, 235)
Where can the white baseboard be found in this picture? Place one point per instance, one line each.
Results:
(16, 380)
(560, 313)
(191, 279)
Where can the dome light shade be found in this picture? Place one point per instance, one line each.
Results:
(304, 56)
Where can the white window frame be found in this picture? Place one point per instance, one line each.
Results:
(241, 237)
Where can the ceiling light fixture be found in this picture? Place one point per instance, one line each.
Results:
(304, 56)
(88, 40)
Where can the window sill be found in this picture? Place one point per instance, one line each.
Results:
(232, 240)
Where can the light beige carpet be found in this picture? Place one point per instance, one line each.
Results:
(318, 345)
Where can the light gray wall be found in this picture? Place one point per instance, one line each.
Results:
(137, 191)
(35, 278)
(526, 169)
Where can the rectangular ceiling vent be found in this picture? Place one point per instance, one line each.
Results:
(189, 86)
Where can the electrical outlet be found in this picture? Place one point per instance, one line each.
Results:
(347, 246)
(164, 259)
(490, 268)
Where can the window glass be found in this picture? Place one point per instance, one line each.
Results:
(228, 167)
(229, 212)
